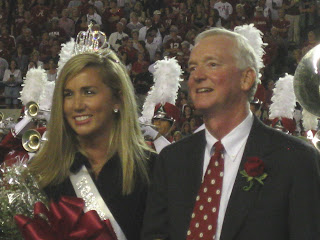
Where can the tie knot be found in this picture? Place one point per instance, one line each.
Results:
(218, 147)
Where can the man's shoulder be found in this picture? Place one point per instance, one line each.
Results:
(186, 143)
(285, 141)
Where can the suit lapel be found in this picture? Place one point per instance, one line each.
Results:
(195, 156)
(240, 200)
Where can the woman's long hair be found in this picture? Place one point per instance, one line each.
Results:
(56, 156)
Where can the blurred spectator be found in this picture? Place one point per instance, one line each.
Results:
(274, 5)
(40, 14)
(282, 25)
(199, 17)
(141, 47)
(157, 21)
(98, 5)
(213, 22)
(52, 71)
(225, 11)
(260, 21)
(3, 66)
(19, 20)
(67, 24)
(74, 4)
(8, 40)
(27, 22)
(81, 25)
(177, 135)
(140, 65)
(55, 31)
(310, 43)
(54, 53)
(34, 60)
(75, 16)
(83, 8)
(157, 56)
(135, 38)
(152, 46)
(111, 16)
(173, 43)
(93, 16)
(186, 113)
(12, 79)
(4, 53)
(307, 15)
(293, 16)
(21, 59)
(127, 47)
(134, 22)
(138, 9)
(186, 129)
(115, 39)
(125, 28)
(293, 60)
(240, 17)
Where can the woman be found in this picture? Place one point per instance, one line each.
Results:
(94, 124)
(12, 80)
(52, 71)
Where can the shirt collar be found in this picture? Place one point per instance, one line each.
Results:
(234, 140)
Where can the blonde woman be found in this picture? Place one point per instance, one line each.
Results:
(94, 127)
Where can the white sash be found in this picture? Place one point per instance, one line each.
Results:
(86, 189)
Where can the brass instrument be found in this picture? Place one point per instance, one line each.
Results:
(307, 85)
(31, 140)
(32, 109)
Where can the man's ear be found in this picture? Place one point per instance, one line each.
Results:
(248, 79)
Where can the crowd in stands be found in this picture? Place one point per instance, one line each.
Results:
(144, 31)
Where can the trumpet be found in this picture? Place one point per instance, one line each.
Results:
(33, 110)
(31, 140)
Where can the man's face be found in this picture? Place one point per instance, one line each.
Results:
(163, 126)
(214, 82)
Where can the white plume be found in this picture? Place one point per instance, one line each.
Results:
(309, 121)
(66, 53)
(166, 85)
(283, 99)
(254, 37)
(45, 100)
(33, 84)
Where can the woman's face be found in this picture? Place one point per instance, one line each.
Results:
(187, 128)
(88, 104)
(13, 64)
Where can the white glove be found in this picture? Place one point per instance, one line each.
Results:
(149, 131)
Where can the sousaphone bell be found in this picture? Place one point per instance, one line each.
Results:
(307, 85)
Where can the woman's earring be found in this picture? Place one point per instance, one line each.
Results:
(116, 110)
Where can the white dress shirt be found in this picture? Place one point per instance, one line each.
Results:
(234, 144)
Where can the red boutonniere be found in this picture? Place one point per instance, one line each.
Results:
(253, 170)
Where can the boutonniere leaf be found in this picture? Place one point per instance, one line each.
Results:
(253, 171)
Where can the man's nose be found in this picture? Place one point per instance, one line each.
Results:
(198, 74)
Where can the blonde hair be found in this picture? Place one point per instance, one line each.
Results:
(56, 156)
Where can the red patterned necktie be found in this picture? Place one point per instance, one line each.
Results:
(203, 224)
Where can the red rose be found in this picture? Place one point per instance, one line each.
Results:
(254, 167)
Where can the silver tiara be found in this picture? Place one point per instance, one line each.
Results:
(90, 41)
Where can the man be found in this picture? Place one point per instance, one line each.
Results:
(280, 202)
(115, 38)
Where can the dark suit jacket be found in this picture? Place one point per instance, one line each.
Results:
(286, 207)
